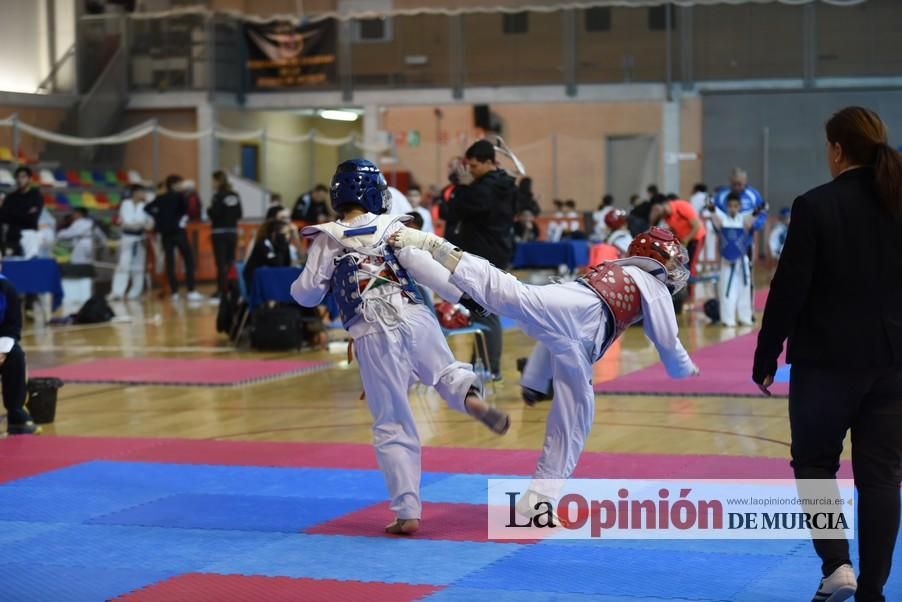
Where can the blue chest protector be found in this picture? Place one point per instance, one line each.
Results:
(352, 285)
(734, 243)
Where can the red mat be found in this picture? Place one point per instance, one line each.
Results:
(449, 522)
(160, 371)
(760, 298)
(726, 370)
(194, 587)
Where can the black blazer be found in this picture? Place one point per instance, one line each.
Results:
(837, 292)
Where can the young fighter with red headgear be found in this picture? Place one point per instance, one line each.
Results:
(575, 321)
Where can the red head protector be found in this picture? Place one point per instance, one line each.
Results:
(452, 316)
(664, 247)
(615, 219)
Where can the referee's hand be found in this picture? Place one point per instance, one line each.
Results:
(765, 385)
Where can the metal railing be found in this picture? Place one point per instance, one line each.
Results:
(49, 84)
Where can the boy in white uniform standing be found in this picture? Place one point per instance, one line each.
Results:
(396, 337)
(576, 322)
(735, 230)
(132, 250)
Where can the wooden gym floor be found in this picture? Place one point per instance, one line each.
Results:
(325, 406)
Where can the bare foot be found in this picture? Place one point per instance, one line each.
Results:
(403, 526)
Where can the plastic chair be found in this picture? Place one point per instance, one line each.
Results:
(6, 178)
(246, 299)
(73, 178)
(480, 348)
(6, 154)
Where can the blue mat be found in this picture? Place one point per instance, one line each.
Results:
(153, 548)
(623, 572)
(44, 504)
(105, 528)
(46, 583)
(391, 560)
(169, 479)
(234, 512)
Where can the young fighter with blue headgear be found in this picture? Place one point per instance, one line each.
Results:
(397, 338)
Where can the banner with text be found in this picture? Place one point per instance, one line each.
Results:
(283, 55)
(670, 509)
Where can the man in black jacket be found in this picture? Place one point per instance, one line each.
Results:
(483, 206)
(170, 214)
(20, 211)
(12, 363)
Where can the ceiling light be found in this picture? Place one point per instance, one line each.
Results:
(337, 115)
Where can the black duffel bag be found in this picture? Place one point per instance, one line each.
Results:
(277, 327)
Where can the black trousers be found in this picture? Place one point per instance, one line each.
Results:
(12, 376)
(493, 341)
(824, 403)
(179, 240)
(224, 245)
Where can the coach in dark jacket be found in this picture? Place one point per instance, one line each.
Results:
(21, 210)
(483, 208)
(170, 215)
(837, 297)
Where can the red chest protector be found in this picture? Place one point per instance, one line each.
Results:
(618, 291)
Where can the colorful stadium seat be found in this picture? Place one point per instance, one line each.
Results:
(75, 200)
(73, 178)
(6, 154)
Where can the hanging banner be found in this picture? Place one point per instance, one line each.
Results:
(283, 54)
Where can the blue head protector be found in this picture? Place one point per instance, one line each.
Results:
(359, 182)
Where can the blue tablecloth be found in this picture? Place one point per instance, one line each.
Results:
(35, 276)
(274, 284)
(572, 253)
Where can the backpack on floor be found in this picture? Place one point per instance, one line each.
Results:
(95, 311)
(276, 328)
(712, 310)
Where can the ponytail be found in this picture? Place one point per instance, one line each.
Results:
(888, 171)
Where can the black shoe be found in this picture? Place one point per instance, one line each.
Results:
(24, 428)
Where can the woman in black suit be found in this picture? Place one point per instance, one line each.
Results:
(837, 297)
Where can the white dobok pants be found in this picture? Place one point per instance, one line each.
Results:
(132, 261)
(735, 291)
(569, 321)
(390, 362)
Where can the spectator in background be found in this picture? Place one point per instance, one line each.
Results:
(600, 230)
(699, 198)
(440, 203)
(192, 199)
(483, 205)
(272, 248)
(683, 220)
(634, 200)
(132, 250)
(21, 211)
(526, 200)
(416, 202)
(46, 233)
(12, 363)
(225, 211)
(311, 206)
(640, 218)
(170, 215)
(525, 228)
(416, 221)
(82, 232)
(619, 235)
(777, 237)
(275, 200)
(573, 228)
(701, 202)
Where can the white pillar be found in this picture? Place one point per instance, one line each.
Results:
(371, 131)
(207, 151)
(670, 136)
